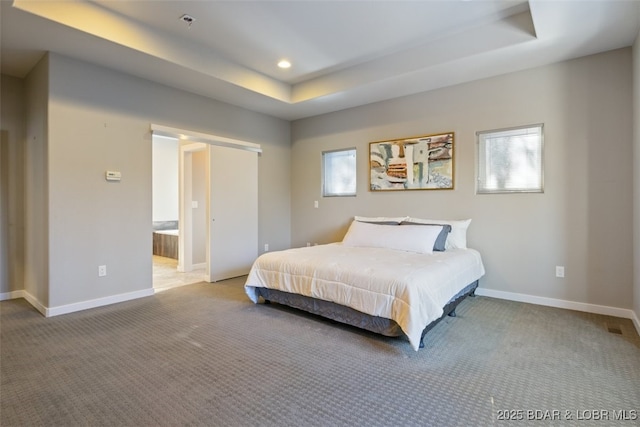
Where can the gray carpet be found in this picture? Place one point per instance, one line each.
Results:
(205, 355)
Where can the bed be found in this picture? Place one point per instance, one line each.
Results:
(393, 276)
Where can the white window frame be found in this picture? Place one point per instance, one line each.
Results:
(486, 169)
(326, 190)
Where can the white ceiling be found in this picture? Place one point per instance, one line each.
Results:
(344, 53)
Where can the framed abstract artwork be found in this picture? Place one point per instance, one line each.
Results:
(418, 163)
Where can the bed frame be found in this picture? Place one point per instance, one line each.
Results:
(349, 316)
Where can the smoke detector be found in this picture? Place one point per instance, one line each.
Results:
(188, 19)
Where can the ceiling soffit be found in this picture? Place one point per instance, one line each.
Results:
(198, 58)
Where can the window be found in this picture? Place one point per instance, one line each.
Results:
(510, 160)
(339, 173)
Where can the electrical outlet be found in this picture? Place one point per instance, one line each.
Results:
(315, 204)
(559, 271)
(266, 247)
(102, 270)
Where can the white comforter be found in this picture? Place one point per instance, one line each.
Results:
(409, 288)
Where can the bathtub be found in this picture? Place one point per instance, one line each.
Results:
(169, 232)
(165, 243)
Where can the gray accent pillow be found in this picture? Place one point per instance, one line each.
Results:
(442, 238)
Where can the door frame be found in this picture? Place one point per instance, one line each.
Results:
(185, 211)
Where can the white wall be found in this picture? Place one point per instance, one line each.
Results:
(199, 187)
(165, 161)
(583, 219)
(99, 120)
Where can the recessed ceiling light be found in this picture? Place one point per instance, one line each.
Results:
(284, 64)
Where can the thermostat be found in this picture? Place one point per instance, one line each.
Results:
(113, 175)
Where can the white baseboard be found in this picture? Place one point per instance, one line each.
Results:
(636, 322)
(35, 303)
(558, 303)
(183, 269)
(11, 295)
(26, 295)
(511, 296)
(70, 308)
(98, 302)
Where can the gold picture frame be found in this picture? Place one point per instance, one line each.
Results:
(418, 163)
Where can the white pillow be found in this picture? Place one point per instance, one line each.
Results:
(409, 238)
(457, 237)
(382, 219)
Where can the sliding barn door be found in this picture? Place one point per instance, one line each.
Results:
(233, 212)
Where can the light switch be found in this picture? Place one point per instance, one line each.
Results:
(194, 204)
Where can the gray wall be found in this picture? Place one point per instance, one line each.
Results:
(99, 120)
(582, 220)
(12, 136)
(36, 207)
(636, 178)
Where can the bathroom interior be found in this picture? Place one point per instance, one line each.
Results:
(168, 272)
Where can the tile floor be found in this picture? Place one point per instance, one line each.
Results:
(166, 275)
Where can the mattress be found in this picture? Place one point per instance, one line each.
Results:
(408, 288)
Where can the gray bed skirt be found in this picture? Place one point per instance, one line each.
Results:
(349, 316)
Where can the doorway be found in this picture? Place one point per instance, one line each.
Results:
(179, 190)
(230, 201)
